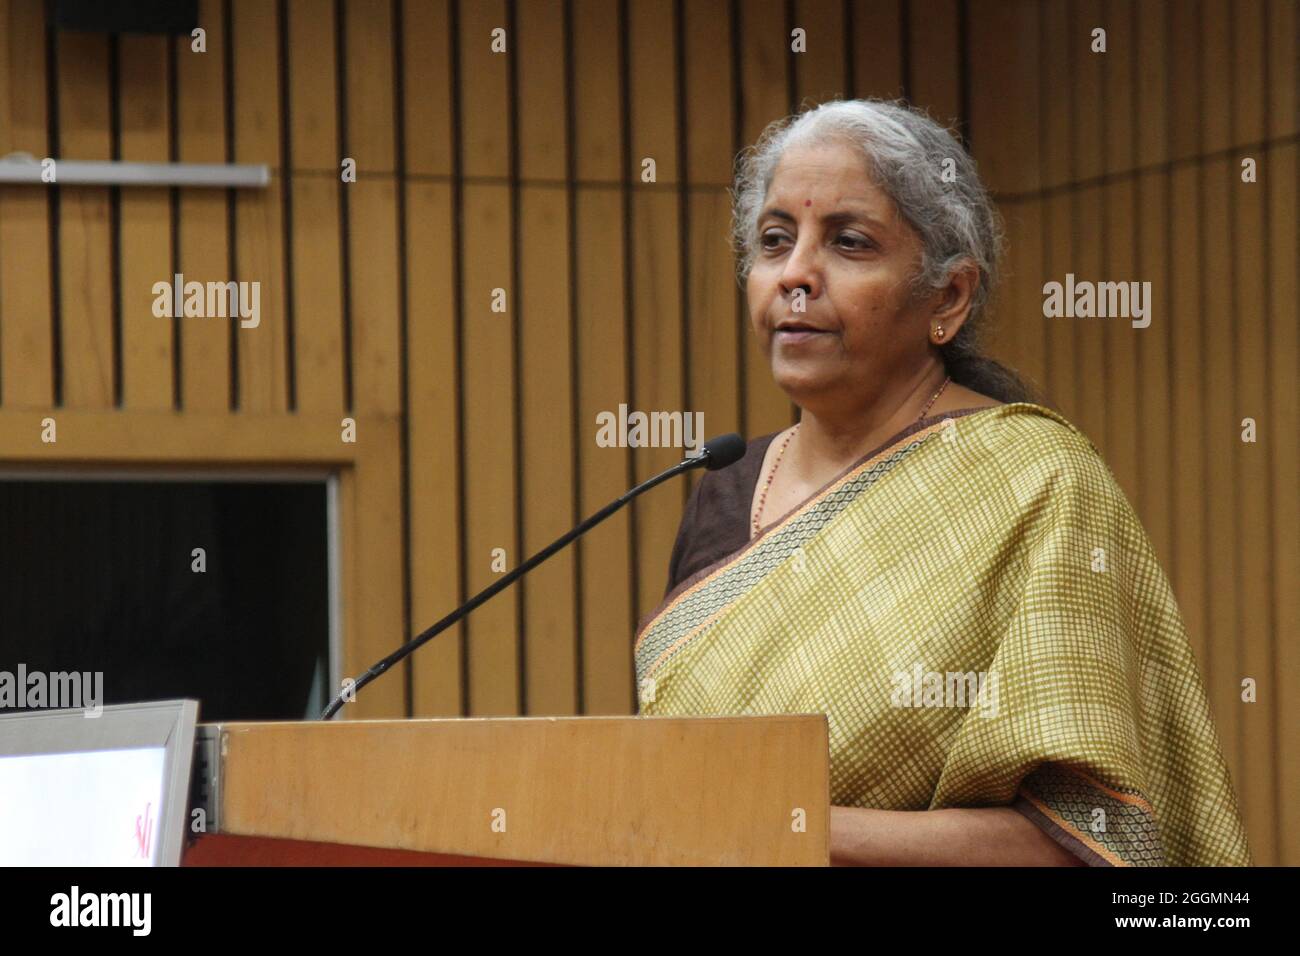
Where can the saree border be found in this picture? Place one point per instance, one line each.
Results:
(1080, 843)
(709, 572)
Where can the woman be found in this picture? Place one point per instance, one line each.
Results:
(937, 562)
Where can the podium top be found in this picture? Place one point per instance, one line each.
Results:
(580, 790)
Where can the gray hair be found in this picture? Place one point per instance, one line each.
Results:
(907, 155)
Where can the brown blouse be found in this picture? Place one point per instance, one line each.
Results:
(716, 520)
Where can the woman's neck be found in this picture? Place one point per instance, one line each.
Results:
(830, 441)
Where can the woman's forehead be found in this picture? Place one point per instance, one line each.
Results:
(825, 172)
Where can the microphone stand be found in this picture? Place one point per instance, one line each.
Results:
(431, 632)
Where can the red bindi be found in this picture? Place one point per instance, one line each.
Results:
(807, 202)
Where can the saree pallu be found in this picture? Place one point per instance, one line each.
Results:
(979, 614)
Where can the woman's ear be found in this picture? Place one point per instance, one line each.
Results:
(953, 303)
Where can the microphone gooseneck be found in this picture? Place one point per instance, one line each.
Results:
(717, 453)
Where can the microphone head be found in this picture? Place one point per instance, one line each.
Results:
(723, 450)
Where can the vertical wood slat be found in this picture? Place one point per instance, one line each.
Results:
(715, 322)
(204, 229)
(26, 333)
(314, 182)
(764, 66)
(1282, 173)
(820, 72)
(372, 626)
(1084, 95)
(370, 84)
(1004, 54)
(1185, 302)
(1154, 418)
(1058, 213)
(935, 83)
(489, 383)
(437, 567)
(546, 370)
(1119, 338)
(374, 307)
(146, 248)
(259, 223)
(1004, 68)
(372, 209)
(600, 291)
(656, 235)
(877, 53)
(1219, 424)
(1254, 627)
(85, 249)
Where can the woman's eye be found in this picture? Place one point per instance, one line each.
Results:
(771, 240)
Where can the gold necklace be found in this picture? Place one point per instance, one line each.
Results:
(762, 495)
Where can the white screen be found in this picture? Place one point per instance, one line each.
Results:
(101, 808)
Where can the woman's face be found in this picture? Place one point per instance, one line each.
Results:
(828, 229)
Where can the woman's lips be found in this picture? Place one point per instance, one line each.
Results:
(799, 336)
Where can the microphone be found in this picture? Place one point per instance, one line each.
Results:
(717, 453)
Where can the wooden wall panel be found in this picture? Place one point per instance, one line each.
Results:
(819, 72)
(490, 386)
(372, 210)
(1057, 167)
(656, 300)
(26, 326)
(1004, 68)
(262, 350)
(1283, 295)
(877, 53)
(1252, 516)
(603, 367)
(1083, 93)
(437, 563)
(145, 227)
(716, 325)
(1119, 338)
(1152, 260)
(934, 82)
(314, 183)
(204, 213)
(549, 427)
(368, 27)
(85, 238)
(764, 77)
(1186, 291)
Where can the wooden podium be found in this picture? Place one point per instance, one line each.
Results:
(656, 791)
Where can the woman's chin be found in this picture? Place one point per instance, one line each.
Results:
(800, 380)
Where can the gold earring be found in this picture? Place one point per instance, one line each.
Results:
(938, 332)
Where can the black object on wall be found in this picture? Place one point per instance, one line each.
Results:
(127, 16)
(99, 576)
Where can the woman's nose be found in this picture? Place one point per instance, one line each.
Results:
(800, 272)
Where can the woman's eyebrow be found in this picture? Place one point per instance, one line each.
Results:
(836, 216)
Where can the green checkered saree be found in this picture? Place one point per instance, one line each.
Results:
(978, 612)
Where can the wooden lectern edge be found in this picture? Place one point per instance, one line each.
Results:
(262, 849)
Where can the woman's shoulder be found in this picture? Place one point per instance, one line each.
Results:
(1039, 450)
(1042, 428)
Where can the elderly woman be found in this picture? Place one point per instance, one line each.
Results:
(941, 565)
